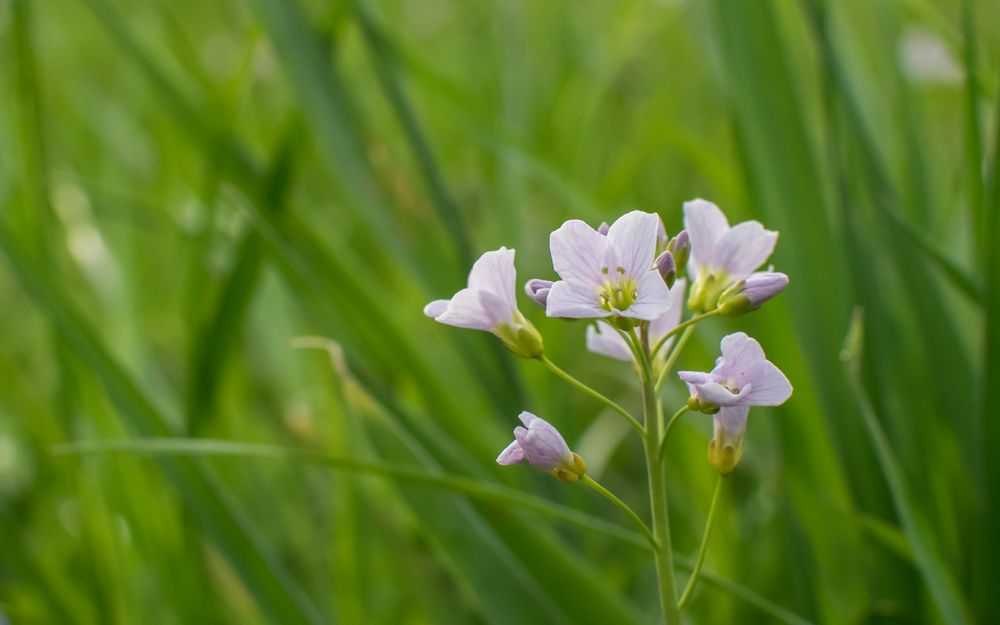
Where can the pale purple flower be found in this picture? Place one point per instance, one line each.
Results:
(540, 444)
(603, 339)
(749, 294)
(721, 255)
(604, 276)
(742, 377)
(489, 303)
(538, 290)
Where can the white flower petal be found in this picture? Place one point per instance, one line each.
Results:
(633, 236)
(739, 351)
(573, 302)
(494, 273)
(733, 419)
(743, 248)
(512, 454)
(770, 386)
(436, 308)
(465, 310)
(653, 298)
(579, 253)
(715, 393)
(705, 224)
(603, 340)
(669, 320)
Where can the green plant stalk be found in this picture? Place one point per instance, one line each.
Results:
(696, 571)
(589, 391)
(657, 489)
(624, 507)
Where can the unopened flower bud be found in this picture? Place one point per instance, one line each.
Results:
(661, 234)
(680, 247)
(603, 228)
(749, 294)
(538, 290)
(543, 446)
(697, 404)
(665, 265)
(725, 449)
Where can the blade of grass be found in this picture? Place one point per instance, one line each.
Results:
(272, 586)
(406, 473)
(943, 589)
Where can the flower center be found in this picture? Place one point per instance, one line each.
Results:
(618, 292)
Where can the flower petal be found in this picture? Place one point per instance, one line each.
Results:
(465, 310)
(543, 445)
(436, 308)
(494, 273)
(512, 454)
(579, 253)
(603, 340)
(705, 224)
(573, 302)
(770, 386)
(733, 419)
(668, 321)
(715, 393)
(739, 352)
(633, 237)
(744, 248)
(653, 298)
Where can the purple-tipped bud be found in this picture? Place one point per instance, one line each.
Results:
(538, 290)
(603, 228)
(680, 247)
(749, 294)
(543, 446)
(665, 265)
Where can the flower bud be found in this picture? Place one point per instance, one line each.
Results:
(603, 228)
(538, 290)
(725, 449)
(749, 294)
(680, 247)
(543, 446)
(664, 263)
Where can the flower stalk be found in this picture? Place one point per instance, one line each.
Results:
(624, 507)
(696, 571)
(554, 368)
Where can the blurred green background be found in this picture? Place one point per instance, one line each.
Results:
(189, 186)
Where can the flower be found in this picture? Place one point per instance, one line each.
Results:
(721, 255)
(543, 446)
(604, 276)
(489, 303)
(604, 340)
(538, 290)
(742, 378)
(749, 294)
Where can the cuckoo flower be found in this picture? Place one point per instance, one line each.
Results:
(604, 340)
(742, 378)
(612, 275)
(489, 303)
(749, 294)
(721, 255)
(543, 446)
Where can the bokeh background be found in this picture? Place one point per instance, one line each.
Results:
(221, 220)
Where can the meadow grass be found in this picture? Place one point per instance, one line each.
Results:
(220, 401)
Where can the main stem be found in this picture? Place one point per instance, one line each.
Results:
(658, 491)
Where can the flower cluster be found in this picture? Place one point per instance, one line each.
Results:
(625, 277)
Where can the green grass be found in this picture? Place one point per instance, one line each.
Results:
(187, 187)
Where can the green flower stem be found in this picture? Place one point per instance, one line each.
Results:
(670, 425)
(648, 533)
(657, 490)
(696, 572)
(682, 325)
(672, 359)
(589, 391)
